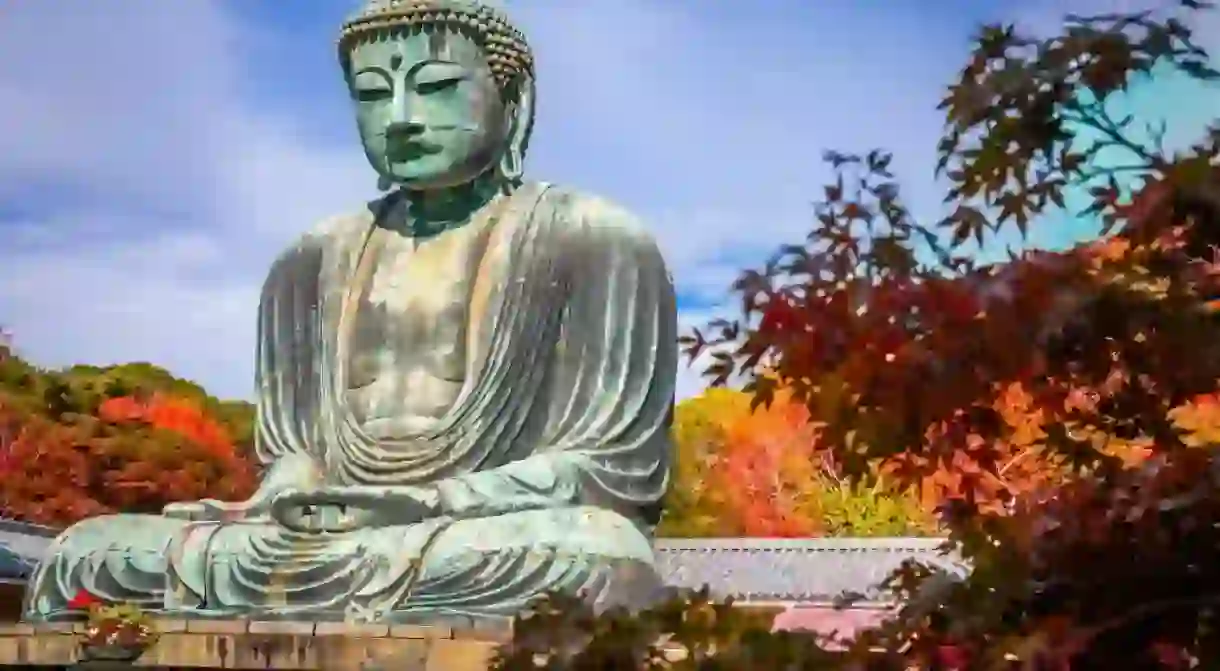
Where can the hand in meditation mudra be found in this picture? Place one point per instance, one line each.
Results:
(464, 389)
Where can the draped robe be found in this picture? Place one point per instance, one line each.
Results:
(549, 467)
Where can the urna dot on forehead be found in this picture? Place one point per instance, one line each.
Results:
(508, 53)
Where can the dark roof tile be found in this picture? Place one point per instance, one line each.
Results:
(21, 547)
(805, 570)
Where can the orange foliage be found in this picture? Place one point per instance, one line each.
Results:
(1064, 404)
(44, 469)
(1004, 388)
(992, 474)
(182, 417)
(1199, 420)
(766, 469)
(765, 473)
(964, 373)
(135, 456)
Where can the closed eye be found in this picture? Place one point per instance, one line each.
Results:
(435, 85)
(372, 95)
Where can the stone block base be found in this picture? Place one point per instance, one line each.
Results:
(239, 644)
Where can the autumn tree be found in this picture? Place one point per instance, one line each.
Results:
(949, 373)
(86, 441)
(760, 472)
(693, 508)
(84, 388)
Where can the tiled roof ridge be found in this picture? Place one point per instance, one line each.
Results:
(807, 550)
(809, 570)
(808, 545)
(28, 528)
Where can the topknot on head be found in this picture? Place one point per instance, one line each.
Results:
(508, 53)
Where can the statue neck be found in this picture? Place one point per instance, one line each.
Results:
(428, 212)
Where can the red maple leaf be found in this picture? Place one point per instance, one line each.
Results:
(952, 657)
(83, 600)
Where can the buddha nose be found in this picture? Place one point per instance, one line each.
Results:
(406, 129)
(403, 119)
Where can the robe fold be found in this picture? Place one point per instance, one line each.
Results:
(549, 468)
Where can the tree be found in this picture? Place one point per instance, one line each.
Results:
(57, 473)
(87, 441)
(912, 354)
(88, 386)
(742, 471)
(692, 506)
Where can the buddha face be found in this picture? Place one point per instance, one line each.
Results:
(429, 112)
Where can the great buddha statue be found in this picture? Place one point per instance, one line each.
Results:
(464, 388)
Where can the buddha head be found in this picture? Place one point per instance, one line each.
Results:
(443, 91)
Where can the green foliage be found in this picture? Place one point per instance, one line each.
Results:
(119, 624)
(856, 509)
(89, 440)
(80, 390)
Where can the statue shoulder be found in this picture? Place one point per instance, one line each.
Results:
(344, 226)
(305, 255)
(597, 219)
(330, 233)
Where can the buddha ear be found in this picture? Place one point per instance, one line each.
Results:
(519, 117)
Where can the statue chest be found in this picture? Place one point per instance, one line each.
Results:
(406, 349)
(424, 283)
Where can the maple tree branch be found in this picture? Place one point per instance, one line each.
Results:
(1004, 469)
(1090, 175)
(1139, 612)
(1095, 116)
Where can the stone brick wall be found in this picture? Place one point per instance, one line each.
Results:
(235, 644)
(10, 601)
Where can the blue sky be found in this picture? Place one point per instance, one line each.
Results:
(156, 155)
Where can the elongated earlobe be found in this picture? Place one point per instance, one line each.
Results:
(520, 117)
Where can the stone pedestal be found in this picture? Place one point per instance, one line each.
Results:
(240, 644)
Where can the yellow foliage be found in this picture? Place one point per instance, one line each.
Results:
(1198, 420)
(698, 431)
(740, 472)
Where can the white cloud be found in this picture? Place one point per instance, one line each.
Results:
(150, 187)
(180, 195)
(94, 110)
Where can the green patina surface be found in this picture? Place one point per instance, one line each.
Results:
(464, 387)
